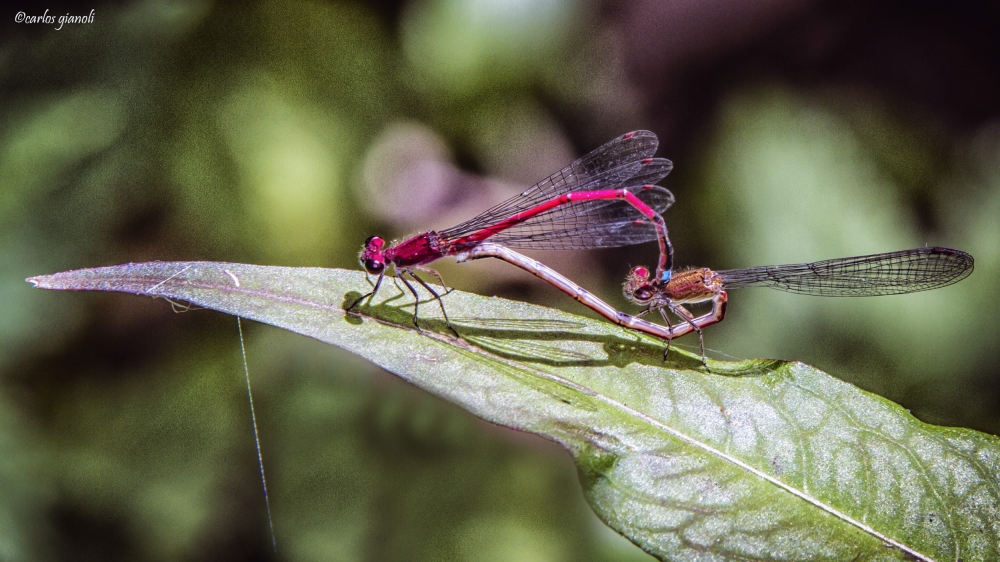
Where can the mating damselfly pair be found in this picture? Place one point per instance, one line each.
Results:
(609, 198)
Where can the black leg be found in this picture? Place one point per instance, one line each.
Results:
(666, 320)
(649, 309)
(686, 315)
(369, 296)
(416, 300)
(437, 276)
(440, 303)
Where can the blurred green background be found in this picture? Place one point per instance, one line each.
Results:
(285, 133)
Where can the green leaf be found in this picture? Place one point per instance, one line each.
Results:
(755, 460)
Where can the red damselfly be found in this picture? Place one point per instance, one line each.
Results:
(893, 273)
(602, 200)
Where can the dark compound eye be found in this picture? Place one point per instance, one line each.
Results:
(642, 294)
(374, 242)
(373, 266)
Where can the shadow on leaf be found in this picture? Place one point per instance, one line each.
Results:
(556, 343)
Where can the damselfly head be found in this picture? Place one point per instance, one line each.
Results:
(637, 287)
(371, 257)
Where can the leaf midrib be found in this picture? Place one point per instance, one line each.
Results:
(864, 429)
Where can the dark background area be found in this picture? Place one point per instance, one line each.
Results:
(285, 133)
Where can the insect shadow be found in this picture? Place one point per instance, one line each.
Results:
(556, 343)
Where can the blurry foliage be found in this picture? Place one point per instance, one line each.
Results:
(187, 130)
(791, 178)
